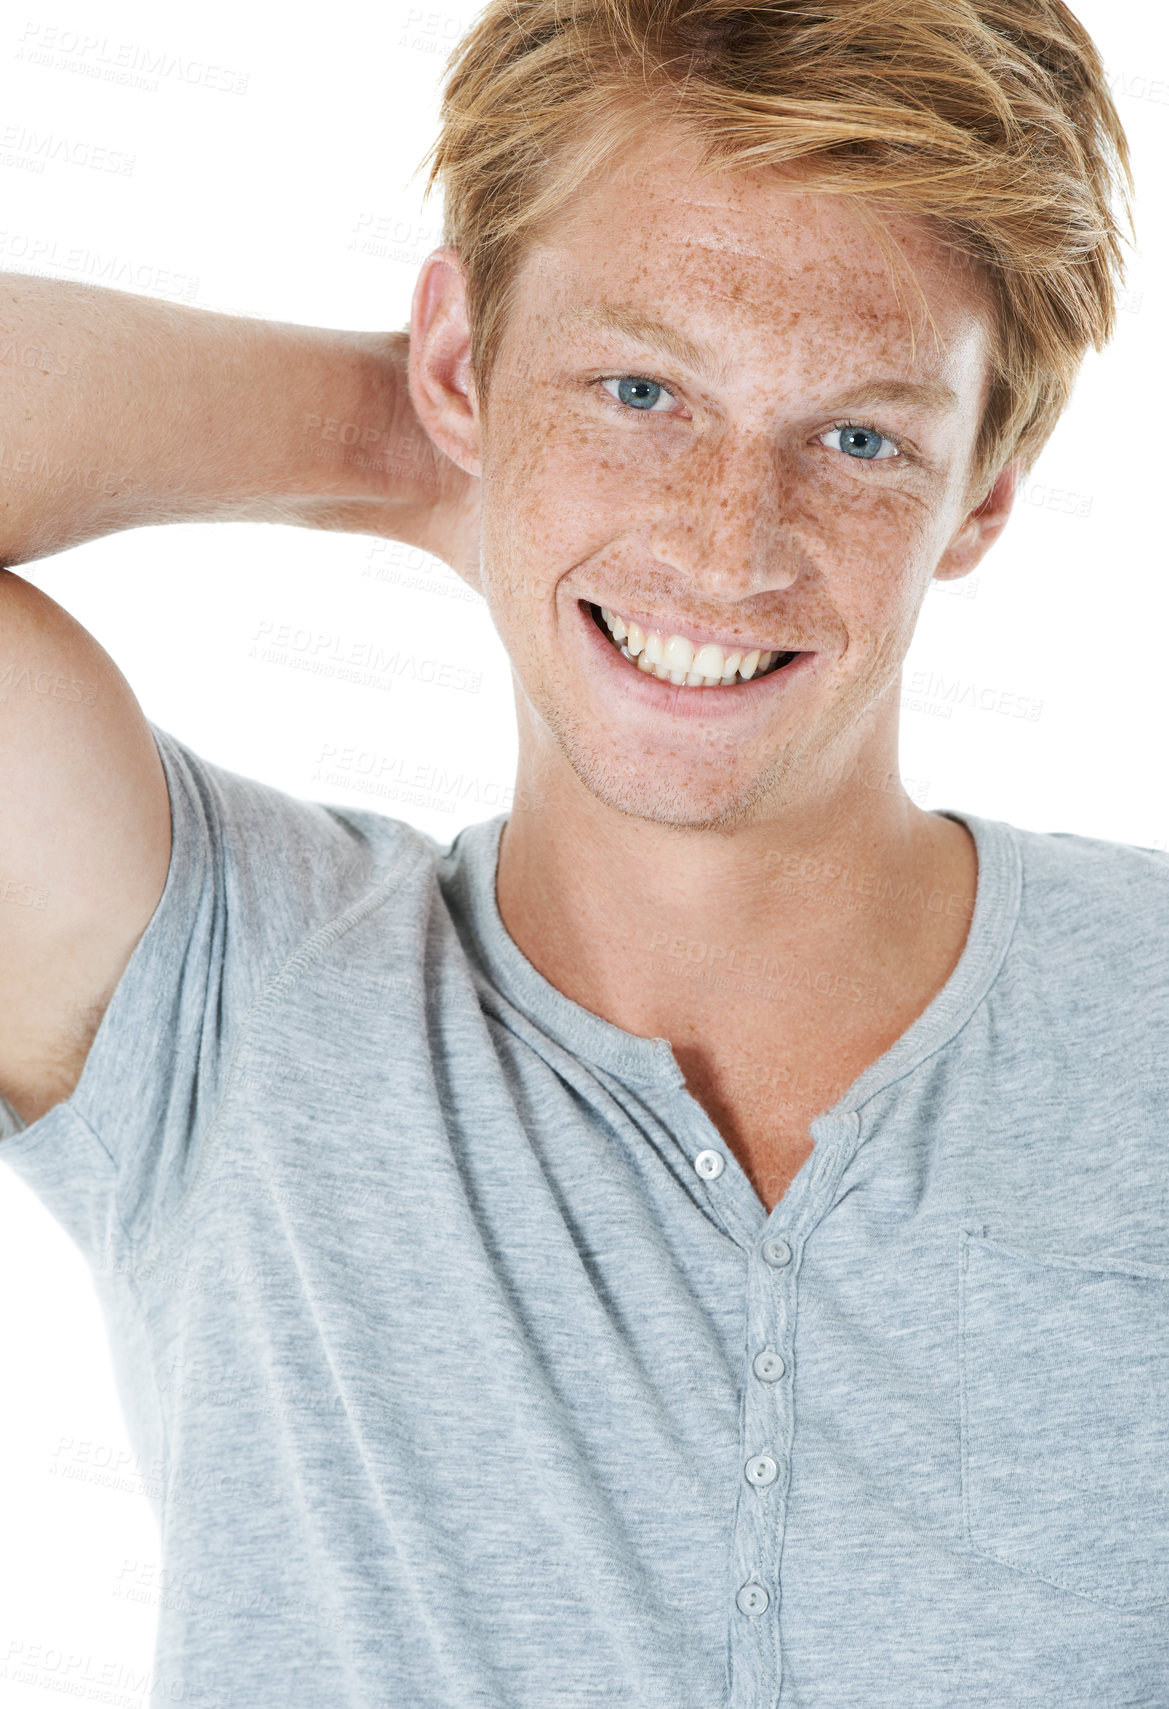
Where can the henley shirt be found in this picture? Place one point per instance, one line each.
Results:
(471, 1373)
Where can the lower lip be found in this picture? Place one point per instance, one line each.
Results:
(728, 701)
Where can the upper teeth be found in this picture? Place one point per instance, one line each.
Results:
(676, 660)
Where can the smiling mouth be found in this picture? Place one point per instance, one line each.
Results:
(674, 659)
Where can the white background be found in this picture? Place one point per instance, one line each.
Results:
(276, 180)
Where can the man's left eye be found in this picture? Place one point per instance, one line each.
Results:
(861, 442)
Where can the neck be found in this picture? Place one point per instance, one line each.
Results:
(660, 928)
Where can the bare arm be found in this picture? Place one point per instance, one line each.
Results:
(118, 411)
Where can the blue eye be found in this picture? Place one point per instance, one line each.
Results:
(862, 442)
(638, 392)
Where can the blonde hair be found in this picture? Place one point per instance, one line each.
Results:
(990, 119)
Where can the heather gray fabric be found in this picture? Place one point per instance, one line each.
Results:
(477, 1376)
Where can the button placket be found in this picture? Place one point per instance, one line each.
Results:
(767, 1431)
(773, 1264)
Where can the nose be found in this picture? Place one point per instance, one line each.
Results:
(729, 522)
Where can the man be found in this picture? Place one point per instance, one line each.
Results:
(520, 1321)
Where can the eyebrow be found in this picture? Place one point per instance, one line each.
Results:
(704, 360)
(644, 329)
(931, 394)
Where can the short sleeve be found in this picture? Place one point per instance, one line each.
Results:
(253, 872)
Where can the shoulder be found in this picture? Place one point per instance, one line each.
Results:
(1059, 861)
(1095, 900)
(277, 858)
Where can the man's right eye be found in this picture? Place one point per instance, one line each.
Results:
(638, 392)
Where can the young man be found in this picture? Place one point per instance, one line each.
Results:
(520, 1317)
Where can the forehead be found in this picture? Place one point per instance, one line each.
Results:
(752, 255)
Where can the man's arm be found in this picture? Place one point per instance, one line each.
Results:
(116, 412)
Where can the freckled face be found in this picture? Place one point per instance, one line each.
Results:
(768, 494)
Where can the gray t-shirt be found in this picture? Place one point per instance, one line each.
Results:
(475, 1374)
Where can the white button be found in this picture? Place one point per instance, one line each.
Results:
(709, 1165)
(768, 1366)
(752, 1599)
(777, 1252)
(762, 1470)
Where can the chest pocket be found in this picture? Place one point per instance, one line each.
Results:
(1065, 1419)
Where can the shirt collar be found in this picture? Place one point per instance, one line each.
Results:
(467, 876)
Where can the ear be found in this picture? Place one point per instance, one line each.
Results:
(981, 528)
(442, 386)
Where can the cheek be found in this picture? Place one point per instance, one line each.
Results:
(552, 497)
(530, 532)
(876, 552)
(889, 533)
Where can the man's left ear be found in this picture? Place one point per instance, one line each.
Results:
(981, 528)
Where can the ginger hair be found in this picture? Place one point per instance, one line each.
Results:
(989, 119)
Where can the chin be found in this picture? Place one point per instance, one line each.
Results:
(703, 782)
(700, 801)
